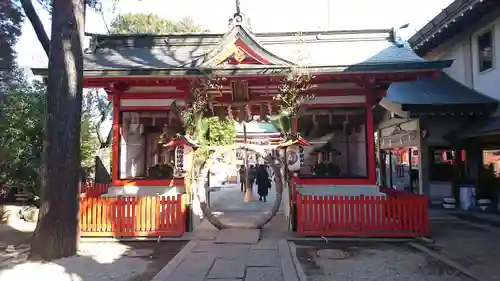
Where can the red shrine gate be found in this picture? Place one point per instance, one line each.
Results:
(333, 193)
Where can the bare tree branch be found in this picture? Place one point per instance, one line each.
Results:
(33, 17)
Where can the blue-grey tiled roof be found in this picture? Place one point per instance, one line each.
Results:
(442, 90)
(329, 48)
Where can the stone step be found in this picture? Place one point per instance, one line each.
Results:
(238, 236)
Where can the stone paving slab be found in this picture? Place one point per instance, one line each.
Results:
(263, 258)
(203, 246)
(238, 236)
(194, 267)
(209, 279)
(225, 251)
(263, 274)
(265, 244)
(224, 268)
(245, 258)
(200, 235)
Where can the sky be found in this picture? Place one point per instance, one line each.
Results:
(265, 16)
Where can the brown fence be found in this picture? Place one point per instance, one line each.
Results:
(367, 216)
(132, 216)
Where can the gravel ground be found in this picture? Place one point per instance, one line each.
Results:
(475, 248)
(137, 261)
(129, 261)
(15, 238)
(371, 261)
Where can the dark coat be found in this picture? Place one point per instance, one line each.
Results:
(252, 172)
(263, 182)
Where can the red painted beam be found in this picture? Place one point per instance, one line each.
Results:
(180, 96)
(184, 81)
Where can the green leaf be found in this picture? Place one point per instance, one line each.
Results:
(282, 122)
(149, 23)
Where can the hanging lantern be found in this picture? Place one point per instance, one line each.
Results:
(179, 161)
(294, 152)
(183, 146)
(293, 158)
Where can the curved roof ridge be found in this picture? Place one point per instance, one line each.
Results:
(239, 32)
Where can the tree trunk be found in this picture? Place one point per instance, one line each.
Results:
(33, 17)
(57, 232)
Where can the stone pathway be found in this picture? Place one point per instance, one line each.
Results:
(230, 198)
(233, 254)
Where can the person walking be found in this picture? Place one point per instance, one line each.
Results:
(263, 182)
(242, 172)
(252, 175)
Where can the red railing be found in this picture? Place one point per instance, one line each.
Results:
(92, 189)
(368, 216)
(132, 216)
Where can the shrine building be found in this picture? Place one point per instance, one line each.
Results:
(145, 74)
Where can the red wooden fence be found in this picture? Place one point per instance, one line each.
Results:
(370, 216)
(92, 189)
(132, 216)
(391, 192)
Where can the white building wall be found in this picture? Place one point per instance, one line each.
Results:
(487, 82)
(457, 69)
(464, 51)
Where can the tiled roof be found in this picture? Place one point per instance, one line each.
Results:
(486, 127)
(455, 19)
(429, 94)
(330, 48)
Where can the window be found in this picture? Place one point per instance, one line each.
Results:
(142, 156)
(442, 164)
(339, 143)
(485, 50)
(401, 168)
(491, 159)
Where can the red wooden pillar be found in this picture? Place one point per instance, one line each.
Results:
(115, 160)
(372, 178)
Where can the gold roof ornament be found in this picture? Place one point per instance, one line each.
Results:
(239, 55)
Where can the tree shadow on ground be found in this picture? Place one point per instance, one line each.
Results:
(130, 261)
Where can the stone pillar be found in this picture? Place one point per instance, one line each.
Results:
(424, 158)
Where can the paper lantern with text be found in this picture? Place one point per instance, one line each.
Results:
(182, 154)
(293, 158)
(294, 152)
